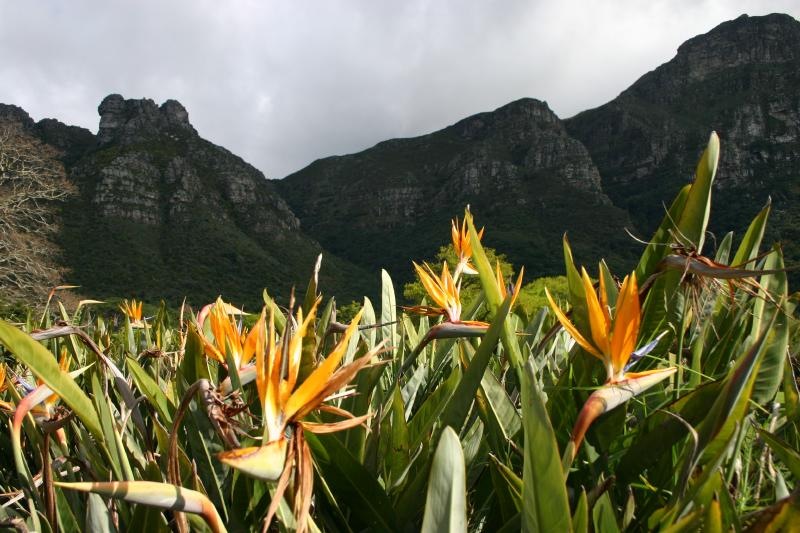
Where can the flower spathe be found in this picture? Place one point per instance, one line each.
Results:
(613, 341)
(463, 248)
(228, 336)
(133, 310)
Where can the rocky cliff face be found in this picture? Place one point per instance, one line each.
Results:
(740, 79)
(522, 174)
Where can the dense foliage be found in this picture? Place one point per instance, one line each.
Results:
(661, 399)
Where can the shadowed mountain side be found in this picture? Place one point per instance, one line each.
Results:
(524, 177)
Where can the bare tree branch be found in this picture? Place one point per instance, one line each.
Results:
(32, 182)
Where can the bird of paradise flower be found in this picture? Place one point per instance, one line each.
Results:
(613, 341)
(285, 405)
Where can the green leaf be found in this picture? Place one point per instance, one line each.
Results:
(691, 227)
(787, 455)
(446, 505)
(500, 415)
(748, 249)
(460, 402)
(603, 515)
(44, 366)
(388, 311)
(423, 420)
(658, 244)
(580, 518)
(98, 518)
(771, 302)
(507, 488)
(151, 391)
(544, 494)
(356, 488)
(119, 459)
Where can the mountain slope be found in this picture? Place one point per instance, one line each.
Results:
(524, 177)
(161, 212)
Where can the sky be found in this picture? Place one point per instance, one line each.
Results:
(282, 83)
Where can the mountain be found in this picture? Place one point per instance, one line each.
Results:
(741, 79)
(517, 167)
(161, 212)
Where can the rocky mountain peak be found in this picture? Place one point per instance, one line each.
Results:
(763, 41)
(519, 116)
(14, 114)
(130, 121)
(769, 39)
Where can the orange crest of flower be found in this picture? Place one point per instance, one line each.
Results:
(229, 337)
(613, 339)
(463, 247)
(132, 309)
(443, 290)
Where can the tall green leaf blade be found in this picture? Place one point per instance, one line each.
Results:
(44, 366)
(491, 291)
(388, 311)
(771, 302)
(356, 489)
(446, 505)
(691, 227)
(459, 404)
(658, 247)
(788, 456)
(544, 494)
(748, 249)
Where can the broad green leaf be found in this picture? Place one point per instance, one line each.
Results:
(98, 517)
(544, 495)
(369, 318)
(422, 422)
(119, 459)
(446, 505)
(44, 366)
(397, 452)
(603, 516)
(507, 488)
(501, 415)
